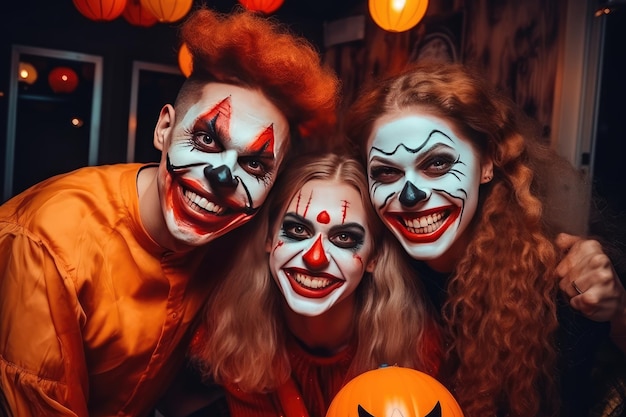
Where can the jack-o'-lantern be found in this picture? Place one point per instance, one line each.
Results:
(393, 391)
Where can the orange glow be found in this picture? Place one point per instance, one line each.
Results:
(100, 10)
(63, 80)
(167, 10)
(27, 73)
(394, 391)
(76, 122)
(397, 15)
(185, 60)
(262, 6)
(137, 15)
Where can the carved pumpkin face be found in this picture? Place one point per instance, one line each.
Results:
(394, 391)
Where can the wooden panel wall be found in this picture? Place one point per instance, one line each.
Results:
(516, 43)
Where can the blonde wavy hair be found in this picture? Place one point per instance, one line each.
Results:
(242, 337)
(246, 49)
(500, 308)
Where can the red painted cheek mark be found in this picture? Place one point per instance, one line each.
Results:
(173, 203)
(323, 217)
(278, 245)
(315, 258)
(358, 258)
(178, 202)
(177, 206)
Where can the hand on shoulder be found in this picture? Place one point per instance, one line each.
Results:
(586, 275)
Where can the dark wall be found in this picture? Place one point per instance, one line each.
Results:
(58, 25)
(610, 147)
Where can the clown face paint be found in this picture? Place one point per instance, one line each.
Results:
(424, 182)
(321, 251)
(221, 162)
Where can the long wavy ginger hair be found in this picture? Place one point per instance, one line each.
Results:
(242, 337)
(500, 311)
(246, 49)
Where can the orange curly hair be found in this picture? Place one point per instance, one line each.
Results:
(246, 49)
(500, 309)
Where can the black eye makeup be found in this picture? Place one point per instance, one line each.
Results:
(295, 231)
(384, 173)
(295, 227)
(204, 136)
(347, 236)
(257, 166)
(438, 163)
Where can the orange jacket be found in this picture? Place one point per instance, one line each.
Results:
(92, 310)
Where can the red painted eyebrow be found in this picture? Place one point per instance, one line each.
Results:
(264, 143)
(214, 122)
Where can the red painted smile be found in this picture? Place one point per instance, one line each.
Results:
(311, 285)
(206, 212)
(424, 226)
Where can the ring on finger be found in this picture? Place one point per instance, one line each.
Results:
(578, 290)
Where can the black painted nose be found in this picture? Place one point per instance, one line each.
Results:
(220, 178)
(411, 195)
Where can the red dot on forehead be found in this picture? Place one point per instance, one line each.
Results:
(323, 217)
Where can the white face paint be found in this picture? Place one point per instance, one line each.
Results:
(221, 162)
(424, 182)
(322, 248)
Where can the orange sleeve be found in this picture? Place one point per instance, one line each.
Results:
(42, 364)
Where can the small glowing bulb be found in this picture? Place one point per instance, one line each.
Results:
(76, 122)
(26, 73)
(398, 5)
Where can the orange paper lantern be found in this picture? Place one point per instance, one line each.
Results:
(397, 15)
(26, 73)
(63, 80)
(262, 6)
(100, 10)
(394, 391)
(136, 15)
(167, 10)
(185, 60)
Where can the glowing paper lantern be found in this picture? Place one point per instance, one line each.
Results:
(63, 80)
(167, 10)
(185, 60)
(137, 15)
(27, 73)
(394, 391)
(262, 6)
(100, 10)
(397, 15)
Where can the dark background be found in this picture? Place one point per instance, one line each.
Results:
(56, 24)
